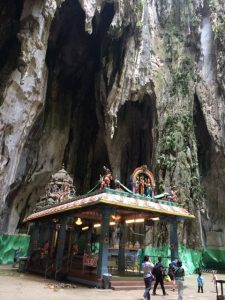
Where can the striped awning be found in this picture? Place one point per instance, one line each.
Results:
(122, 200)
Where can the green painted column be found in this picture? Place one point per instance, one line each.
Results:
(60, 244)
(121, 254)
(104, 243)
(173, 239)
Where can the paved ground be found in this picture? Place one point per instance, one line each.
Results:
(16, 286)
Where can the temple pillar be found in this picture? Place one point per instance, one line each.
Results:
(60, 244)
(104, 243)
(121, 254)
(48, 231)
(173, 239)
(34, 237)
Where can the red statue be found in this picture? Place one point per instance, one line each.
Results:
(142, 185)
(174, 193)
(106, 179)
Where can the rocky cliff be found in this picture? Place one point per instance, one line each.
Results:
(119, 83)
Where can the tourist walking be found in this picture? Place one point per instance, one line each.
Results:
(214, 279)
(172, 265)
(179, 278)
(200, 282)
(159, 272)
(147, 267)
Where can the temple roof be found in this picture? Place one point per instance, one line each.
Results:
(117, 199)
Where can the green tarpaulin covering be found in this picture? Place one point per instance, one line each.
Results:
(191, 259)
(213, 259)
(8, 245)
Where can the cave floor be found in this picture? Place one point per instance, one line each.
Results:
(14, 285)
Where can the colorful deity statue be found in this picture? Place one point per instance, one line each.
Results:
(148, 190)
(137, 186)
(173, 193)
(143, 181)
(106, 179)
(142, 185)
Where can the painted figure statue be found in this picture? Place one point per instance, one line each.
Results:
(106, 179)
(173, 194)
(143, 181)
(142, 185)
(148, 190)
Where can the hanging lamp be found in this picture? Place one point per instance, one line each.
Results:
(78, 221)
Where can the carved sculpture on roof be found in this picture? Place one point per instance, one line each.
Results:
(143, 181)
(106, 179)
(173, 194)
(58, 190)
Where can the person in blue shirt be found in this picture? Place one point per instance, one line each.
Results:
(200, 282)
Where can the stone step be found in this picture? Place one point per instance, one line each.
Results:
(127, 283)
(133, 285)
(127, 287)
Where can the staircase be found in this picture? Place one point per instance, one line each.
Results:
(125, 283)
(122, 285)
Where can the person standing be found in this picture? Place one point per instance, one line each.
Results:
(172, 265)
(147, 267)
(200, 282)
(179, 278)
(158, 272)
(214, 278)
(16, 257)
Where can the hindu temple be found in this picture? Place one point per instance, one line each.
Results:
(102, 233)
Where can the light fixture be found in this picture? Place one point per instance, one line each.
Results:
(135, 221)
(139, 220)
(112, 223)
(155, 219)
(129, 221)
(85, 228)
(78, 221)
(116, 218)
(97, 225)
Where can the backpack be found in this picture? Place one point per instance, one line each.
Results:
(156, 271)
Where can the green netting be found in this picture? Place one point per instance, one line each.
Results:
(191, 259)
(8, 245)
(213, 259)
(154, 253)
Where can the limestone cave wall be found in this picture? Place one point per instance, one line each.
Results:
(116, 83)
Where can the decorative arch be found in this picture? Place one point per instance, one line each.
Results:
(140, 174)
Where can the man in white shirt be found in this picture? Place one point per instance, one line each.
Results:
(147, 267)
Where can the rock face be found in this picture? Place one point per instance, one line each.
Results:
(119, 83)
